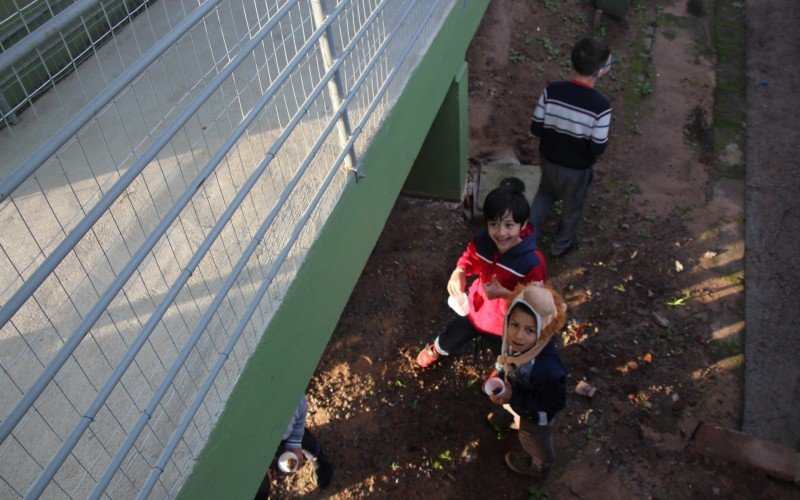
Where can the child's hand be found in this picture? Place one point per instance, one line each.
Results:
(495, 290)
(301, 457)
(505, 398)
(457, 282)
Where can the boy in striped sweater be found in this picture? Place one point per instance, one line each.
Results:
(571, 120)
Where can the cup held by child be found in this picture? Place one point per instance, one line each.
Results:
(288, 462)
(494, 387)
(459, 303)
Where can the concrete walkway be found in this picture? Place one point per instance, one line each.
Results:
(772, 338)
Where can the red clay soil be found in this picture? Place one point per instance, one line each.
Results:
(646, 298)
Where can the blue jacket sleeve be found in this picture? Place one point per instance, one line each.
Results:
(293, 435)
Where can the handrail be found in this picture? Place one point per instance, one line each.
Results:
(208, 382)
(247, 253)
(44, 32)
(61, 251)
(66, 448)
(69, 129)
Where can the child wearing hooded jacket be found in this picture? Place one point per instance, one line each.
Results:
(298, 440)
(534, 376)
(502, 255)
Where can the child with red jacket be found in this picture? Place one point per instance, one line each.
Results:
(502, 255)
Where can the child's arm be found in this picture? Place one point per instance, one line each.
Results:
(537, 121)
(300, 456)
(296, 430)
(542, 404)
(457, 282)
(468, 259)
(495, 290)
(293, 435)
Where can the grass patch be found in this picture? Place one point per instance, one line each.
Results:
(728, 30)
(723, 349)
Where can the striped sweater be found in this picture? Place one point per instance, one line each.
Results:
(572, 123)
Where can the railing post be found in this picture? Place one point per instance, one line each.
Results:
(335, 87)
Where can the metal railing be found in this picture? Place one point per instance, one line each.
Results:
(156, 204)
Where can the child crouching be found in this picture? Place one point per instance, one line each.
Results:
(533, 374)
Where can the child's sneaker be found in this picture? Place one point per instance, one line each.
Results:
(521, 463)
(427, 356)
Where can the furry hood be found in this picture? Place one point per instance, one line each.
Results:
(548, 308)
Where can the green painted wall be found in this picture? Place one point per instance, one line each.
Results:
(440, 169)
(241, 445)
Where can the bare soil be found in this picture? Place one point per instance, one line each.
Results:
(655, 291)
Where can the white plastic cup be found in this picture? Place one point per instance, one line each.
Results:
(459, 303)
(288, 462)
(494, 387)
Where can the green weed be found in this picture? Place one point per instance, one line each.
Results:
(643, 88)
(552, 5)
(683, 212)
(680, 301)
(537, 491)
(552, 52)
(596, 437)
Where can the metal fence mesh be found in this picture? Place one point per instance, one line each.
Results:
(159, 188)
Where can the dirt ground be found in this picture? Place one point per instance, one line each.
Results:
(656, 291)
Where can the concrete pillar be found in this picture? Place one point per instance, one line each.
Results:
(440, 169)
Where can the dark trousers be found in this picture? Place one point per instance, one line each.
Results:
(570, 186)
(459, 332)
(537, 441)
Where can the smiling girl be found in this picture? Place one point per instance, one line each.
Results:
(501, 256)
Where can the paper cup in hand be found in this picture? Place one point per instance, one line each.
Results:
(494, 387)
(459, 303)
(288, 462)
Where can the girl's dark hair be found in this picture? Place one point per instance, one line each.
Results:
(508, 197)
